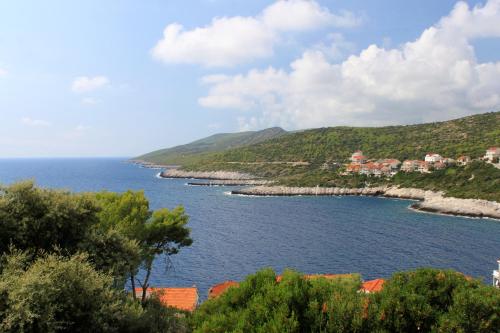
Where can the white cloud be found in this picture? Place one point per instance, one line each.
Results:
(228, 41)
(301, 15)
(432, 78)
(34, 122)
(83, 84)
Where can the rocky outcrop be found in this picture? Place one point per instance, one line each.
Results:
(226, 182)
(456, 206)
(429, 201)
(213, 175)
(293, 191)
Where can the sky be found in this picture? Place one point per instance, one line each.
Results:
(125, 77)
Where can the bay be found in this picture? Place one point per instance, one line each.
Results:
(234, 236)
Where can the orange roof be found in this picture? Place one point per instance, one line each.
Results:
(373, 286)
(219, 289)
(317, 276)
(180, 298)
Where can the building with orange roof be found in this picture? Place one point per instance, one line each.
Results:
(463, 160)
(218, 289)
(373, 286)
(318, 276)
(492, 154)
(185, 299)
(358, 157)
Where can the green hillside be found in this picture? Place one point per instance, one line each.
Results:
(216, 143)
(469, 135)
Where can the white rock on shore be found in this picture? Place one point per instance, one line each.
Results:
(429, 201)
(456, 206)
(214, 175)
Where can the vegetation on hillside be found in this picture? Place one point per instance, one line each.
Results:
(425, 300)
(191, 152)
(465, 136)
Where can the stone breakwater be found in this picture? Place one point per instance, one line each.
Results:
(429, 201)
(211, 175)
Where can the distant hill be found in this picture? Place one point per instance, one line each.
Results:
(470, 135)
(216, 143)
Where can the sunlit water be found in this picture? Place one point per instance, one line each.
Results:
(235, 236)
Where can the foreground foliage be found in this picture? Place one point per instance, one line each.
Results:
(425, 300)
(75, 281)
(65, 258)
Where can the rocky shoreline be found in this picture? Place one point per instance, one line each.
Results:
(228, 182)
(209, 175)
(429, 201)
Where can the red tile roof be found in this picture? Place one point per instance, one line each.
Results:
(317, 276)
(180, 298)
(373, 286)
(219, 289)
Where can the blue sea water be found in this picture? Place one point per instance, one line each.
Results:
(235, 236)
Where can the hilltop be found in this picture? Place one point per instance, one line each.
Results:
(299, 158)
(470, 135)
(216, 143)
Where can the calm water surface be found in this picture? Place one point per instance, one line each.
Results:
(235, 236)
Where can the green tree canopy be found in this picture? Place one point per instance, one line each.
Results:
(39, 219)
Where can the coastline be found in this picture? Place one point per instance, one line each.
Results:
(208, 175)
(227, 182)
(427, 201)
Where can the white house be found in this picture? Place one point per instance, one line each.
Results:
(433, 158)
(492, 153)
(496, 276)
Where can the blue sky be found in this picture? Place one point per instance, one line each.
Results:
(100, 78)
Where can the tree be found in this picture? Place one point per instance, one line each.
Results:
(60, 294)
(474, 309)
(165, 234)
(414, 301)
(39, 219)
(113, 253)
(294, 304)
(162, 232)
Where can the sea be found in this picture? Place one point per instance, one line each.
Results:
(238, 235)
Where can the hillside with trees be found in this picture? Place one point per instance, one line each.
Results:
(215, 143)
(465, 136)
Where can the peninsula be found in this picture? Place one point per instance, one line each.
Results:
(451, 167)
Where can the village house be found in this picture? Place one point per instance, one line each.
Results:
(424, 167)
(184, 299)
(353, 168)
(410, 165)
(218, 289)
(392, 163)
(463, 160)
(439, 165)
(433, 158)
(492, 155)
(357, 157)
(371, 286)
